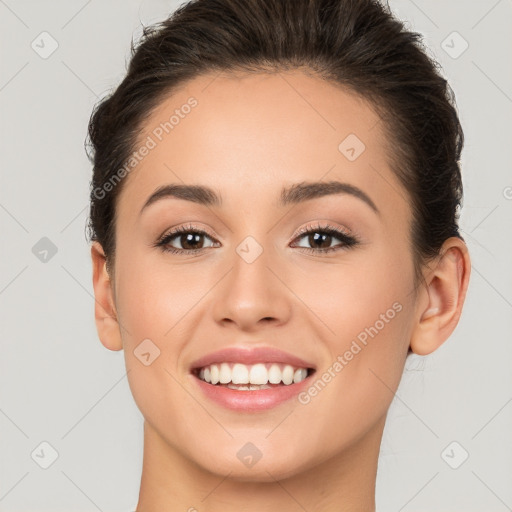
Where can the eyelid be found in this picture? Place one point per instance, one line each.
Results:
(345, 235)
(185, 228)
(319, 225)
(323, 226)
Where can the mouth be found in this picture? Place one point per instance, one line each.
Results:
(255, 377)
(250, 379)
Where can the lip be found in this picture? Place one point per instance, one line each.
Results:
(251, 401)
(251, 355)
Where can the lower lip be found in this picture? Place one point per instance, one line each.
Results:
(256, 400)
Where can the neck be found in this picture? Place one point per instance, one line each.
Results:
(344, 483)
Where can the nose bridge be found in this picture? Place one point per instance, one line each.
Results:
(251, 292)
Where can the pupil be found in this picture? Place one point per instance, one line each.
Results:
(315, 237)
(190, 238)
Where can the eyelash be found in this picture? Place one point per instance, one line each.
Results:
(347, 240)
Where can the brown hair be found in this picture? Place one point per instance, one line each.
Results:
(357, 44)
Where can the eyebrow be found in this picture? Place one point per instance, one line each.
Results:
(296, 193)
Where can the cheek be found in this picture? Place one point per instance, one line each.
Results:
(153, 297)
(364, 314)
(353, 295)
(367, 354)
(152, 307)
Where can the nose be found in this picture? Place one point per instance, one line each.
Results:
(251, 295)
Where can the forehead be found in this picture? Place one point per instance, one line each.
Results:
(257, 132)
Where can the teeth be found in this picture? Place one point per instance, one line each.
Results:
(297, 376)
(274, 374)
(240, 374)
(224, 373)
(288, 375)
(257, 376)
(214, 374)
(244, 387)
(233, 386)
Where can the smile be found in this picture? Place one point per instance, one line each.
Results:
(250, 379)
(258, 376)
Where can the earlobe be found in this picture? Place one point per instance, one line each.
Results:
(440, 306)
(104, 308)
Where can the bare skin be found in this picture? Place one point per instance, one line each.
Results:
(248, 137)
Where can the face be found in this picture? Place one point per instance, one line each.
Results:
(322, 275)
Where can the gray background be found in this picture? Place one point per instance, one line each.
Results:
(59, 385)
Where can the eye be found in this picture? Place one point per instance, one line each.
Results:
(323, 235)
(189, 238)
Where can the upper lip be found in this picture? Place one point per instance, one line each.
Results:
(251, 356)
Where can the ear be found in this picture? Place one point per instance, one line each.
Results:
(440, 303)
(104, 309)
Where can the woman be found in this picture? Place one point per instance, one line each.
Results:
(274, 211)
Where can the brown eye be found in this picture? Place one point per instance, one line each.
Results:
(185, 239)
(190, 241)
(320, 239)
(323, 240)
